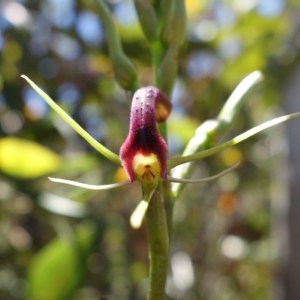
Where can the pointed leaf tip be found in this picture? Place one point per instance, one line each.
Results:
(95, 144)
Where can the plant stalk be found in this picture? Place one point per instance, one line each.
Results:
(158, 239)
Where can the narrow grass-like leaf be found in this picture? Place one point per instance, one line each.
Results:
(99, 147)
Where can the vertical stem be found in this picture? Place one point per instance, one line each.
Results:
(156, 53)
(169, 204)
(158, 221)
(158, 247)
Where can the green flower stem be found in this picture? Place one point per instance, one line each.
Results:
(161, 68)
(162, 128)
(99, 147)
(157, 50)
(169, 204)
(158, 247)
(167, 71)
(159, 215)
(125, 71)
(173, 162)
(213, 129)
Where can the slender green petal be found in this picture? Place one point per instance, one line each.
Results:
(172, 179)
(91, 186)
(211, 130)
(173, 162)
(236, 100)
(103, 150)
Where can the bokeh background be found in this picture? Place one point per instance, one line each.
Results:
(235, 238)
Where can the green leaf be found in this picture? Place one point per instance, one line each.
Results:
(26, 159)
(58, 269)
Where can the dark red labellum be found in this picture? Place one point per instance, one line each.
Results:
(149, 105)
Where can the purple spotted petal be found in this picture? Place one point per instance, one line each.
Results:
(149, 105)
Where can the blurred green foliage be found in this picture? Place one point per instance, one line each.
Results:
(221, 229)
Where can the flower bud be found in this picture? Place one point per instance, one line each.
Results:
(148, 19)
(125, 71)
(175, 23)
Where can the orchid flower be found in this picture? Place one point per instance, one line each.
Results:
(144, 153)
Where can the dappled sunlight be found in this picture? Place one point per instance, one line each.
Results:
(65, 242)
(16, 14)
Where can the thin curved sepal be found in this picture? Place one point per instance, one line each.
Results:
(173, 162)
(91, 186)
(172, 179)
(99, 147)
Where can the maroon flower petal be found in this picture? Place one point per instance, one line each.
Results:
(149, 105)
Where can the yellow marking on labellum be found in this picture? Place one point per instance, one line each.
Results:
(146, 167)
